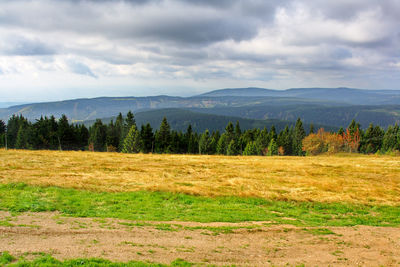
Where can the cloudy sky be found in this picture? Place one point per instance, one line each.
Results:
(52, 50)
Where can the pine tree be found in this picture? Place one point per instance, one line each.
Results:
(222, 144)
(98, 136)
(298, 136)
(389, 139)
(251, 149)
(132, 142)
(263, 140)
(65, 134)
(284, 140)
(204, 143)
(163, 137)
(2, 133)
(272, 134)
(147, 136)
(126, 126)
(119, 128)
(22, 138)
(272, 148)
(232, 149)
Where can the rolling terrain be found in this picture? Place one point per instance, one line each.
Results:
(326, 106)
(62, 208)
(180, 119)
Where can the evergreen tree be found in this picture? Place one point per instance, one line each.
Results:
(163, 137)
(238, 139)
(66, 138)
(98, 136)
(298, 135)
(251, 149)
(22, 137)
(232, 149)
(272, 148)
(190, 143)
(222, 144)
(82, 137)
(390, 139)
(147, 136)
(126, 126)
(284, 140)
(272, 134)
(204, 143)
(229, 131)
(13, 126)
(132, 142)
(119, 128)
(214, 142)
(112, 139)
(2, 133)
(263, 140)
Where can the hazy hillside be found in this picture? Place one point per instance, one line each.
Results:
(328, 106)
(328, 115)
(87, 109)
(180, 119)
(340, 95)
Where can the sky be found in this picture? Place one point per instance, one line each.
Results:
(64, 49)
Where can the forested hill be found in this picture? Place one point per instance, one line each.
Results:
(180, 119)
(326, 106)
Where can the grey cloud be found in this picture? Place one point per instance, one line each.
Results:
(80, 68)
(204, 39)
(20, 46)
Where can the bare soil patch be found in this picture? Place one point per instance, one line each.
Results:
(243, 244)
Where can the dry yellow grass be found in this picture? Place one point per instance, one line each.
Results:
(346, 178)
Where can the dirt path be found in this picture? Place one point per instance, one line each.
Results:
(243, 244)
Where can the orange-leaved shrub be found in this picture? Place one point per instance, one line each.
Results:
(326, 142)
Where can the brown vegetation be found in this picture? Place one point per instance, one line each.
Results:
(340, 178)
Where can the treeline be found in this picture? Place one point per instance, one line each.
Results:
(123, 135)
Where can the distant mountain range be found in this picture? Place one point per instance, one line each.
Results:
(324, 106)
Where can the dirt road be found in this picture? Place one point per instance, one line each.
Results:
(243, 244)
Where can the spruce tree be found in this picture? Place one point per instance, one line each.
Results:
(222, 144)
(98, 136)
(251, 149)
(232, 148)
(127, 125)
(132, 142)
(389, 139)
(272, 148)
(147, 136)
(163, 137)
(298, 136)
(272, 134)
(22, 138)
(2, 133)
(204, 143)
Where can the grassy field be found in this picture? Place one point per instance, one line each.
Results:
(353, 179)
(244, 211)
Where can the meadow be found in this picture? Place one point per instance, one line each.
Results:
(357, 179)
(343, 209)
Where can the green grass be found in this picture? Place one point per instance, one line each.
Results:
(46, 260)
(161, 206)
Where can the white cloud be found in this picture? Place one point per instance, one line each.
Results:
(65, 48)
